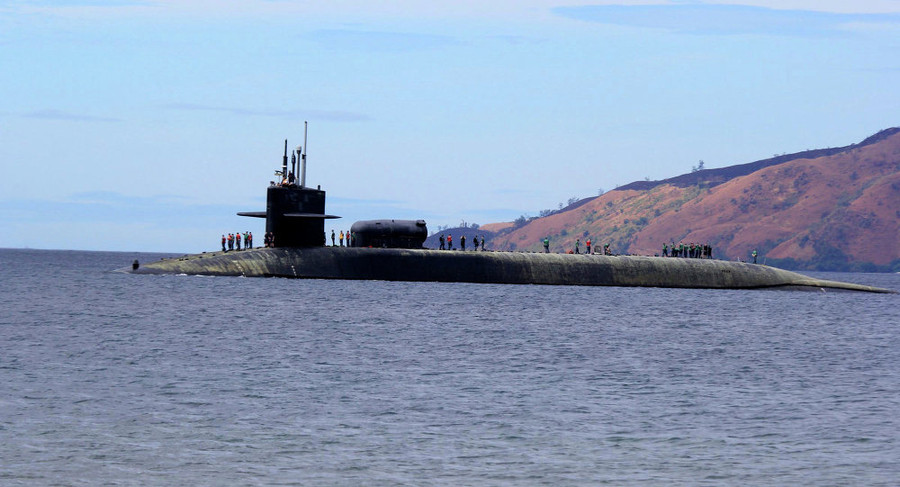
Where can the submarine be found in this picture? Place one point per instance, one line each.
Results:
(393, 250)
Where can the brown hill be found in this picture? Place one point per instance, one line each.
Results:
(496, 227)
(829, 209)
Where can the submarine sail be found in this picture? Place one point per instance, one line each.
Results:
(295, 215)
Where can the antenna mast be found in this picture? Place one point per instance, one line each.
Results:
(284, 172)
(293, 167)
(303, 159)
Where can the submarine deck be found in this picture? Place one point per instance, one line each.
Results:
(361, 263)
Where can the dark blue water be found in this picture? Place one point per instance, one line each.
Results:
(111, 378)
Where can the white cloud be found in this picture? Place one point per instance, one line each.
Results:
(696, 18)
(379, 41)
(52, 114)
(412, 10)
(291, 114)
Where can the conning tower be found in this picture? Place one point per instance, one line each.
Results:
(295, 215)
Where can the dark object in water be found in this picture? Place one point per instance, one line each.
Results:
(393, 264)
(391, 250)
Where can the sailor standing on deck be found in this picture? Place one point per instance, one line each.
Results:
(442, 241)
(223, 242)
(546, 245)
(332, 237)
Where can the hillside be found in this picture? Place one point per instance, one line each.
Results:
(828, 209)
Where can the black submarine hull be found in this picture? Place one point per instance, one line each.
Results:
(489, 267)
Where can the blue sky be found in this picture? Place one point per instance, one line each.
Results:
(146, 125)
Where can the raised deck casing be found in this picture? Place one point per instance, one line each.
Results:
(490, 267)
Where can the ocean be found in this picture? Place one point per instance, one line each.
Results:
(109, 378)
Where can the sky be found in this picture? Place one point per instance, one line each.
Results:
(146, 125)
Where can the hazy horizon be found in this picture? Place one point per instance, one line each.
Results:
(146, 125)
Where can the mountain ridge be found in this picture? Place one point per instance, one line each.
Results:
(822, 209)
(717, 176)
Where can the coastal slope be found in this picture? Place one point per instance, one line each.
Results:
(827, 209)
